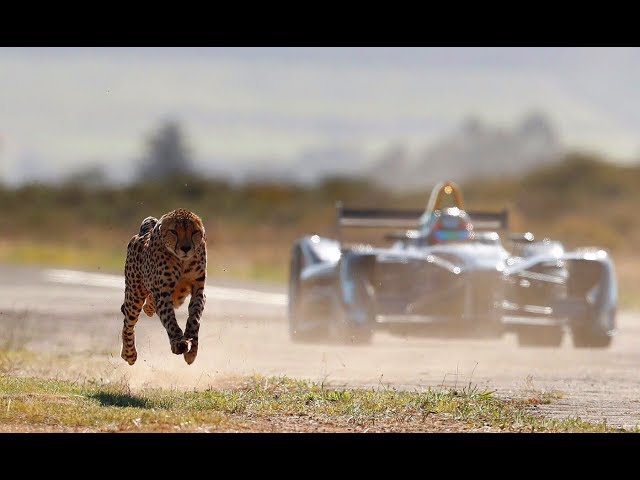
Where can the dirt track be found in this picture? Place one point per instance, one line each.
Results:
(245, 332)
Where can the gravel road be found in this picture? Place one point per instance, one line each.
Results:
(244, 331)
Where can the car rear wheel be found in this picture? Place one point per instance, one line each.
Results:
(534, 336)
(587, 332)
(584, 337)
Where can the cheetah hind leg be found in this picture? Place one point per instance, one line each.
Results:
(149, 306)
(190, 355)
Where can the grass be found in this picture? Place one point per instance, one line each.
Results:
(92, 257)
(268, 263)
(266, 404)
(628, 274)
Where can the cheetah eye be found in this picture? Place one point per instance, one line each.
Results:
(174, 232)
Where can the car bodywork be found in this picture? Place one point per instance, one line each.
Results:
(456, 281)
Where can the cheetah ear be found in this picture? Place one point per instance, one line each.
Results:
(158, 227)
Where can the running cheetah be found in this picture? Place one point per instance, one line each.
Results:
(166, 261)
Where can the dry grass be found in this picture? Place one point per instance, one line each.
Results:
(628, 273)
(265, 404)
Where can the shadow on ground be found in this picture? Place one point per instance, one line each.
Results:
(110, 399)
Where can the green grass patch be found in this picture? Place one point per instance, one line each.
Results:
(265, 404)
(63, 255)
(239, 264)
(259, 271)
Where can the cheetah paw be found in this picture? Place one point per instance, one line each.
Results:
(180, 346)
(129, 357)
(190, 356)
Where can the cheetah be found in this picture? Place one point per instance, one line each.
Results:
(166, 262)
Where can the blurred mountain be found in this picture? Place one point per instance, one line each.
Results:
(474, 150)
(314, 164)
(309, 166)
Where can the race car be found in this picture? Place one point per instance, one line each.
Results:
(448, 274)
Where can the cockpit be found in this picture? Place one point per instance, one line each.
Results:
(449, 225)
(444, 219)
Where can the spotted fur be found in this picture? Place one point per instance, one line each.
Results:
(166, 262)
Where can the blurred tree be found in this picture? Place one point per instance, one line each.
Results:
(89, 177)
(167, 155)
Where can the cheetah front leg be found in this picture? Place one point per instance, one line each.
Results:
(131, 310)
(196, 306)
(164, 309)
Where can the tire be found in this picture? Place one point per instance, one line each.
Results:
(584, 337)
(343, 332)
(533, 336)
(586, 333)
(330, 324)
(298, 332)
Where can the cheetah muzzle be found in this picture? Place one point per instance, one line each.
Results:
(166, 262)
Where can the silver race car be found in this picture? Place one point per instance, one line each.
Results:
(448, 273)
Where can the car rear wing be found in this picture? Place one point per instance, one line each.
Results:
(489, 220)
(408, 218)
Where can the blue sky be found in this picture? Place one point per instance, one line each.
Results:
(64, 108)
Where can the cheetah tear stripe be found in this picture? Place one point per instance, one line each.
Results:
(74, 277)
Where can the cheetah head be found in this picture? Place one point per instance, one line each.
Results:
(182, 232)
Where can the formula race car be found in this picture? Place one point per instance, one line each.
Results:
(448, 273)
